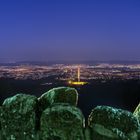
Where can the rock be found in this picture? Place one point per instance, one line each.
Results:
(87, 133)
(54, 116)
(107, 123)
(0, 123)
(18, 117)
(58, 95)
(137, 112)
(62, 122)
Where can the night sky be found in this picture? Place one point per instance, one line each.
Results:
(48, 30)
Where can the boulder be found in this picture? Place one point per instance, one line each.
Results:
(108, 123)
(62, 122)
(87, 133)
(58, 95)
(0, 123)
(18, 117)
(137, 112)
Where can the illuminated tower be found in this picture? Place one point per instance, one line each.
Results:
(78, 82)
(78, 74)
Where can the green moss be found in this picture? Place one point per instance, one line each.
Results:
(137, 112)
(113, 117)
(137, 115)
(62, 121)
(58, 95)
(18, 117)
(114, 123)
(58, 119)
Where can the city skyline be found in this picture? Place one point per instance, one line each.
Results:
(39, 30)
(73, 74)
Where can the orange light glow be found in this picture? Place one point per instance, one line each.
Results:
(77, 83)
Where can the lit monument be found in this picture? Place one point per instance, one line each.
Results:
(78, 82)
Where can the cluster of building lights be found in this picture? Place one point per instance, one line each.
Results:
(72, 74)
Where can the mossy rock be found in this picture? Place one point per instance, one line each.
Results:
(137, 112)
(108, 123)
(137, 115)
(0, 124)
(62, 122)
(18, 117)
(58, 95)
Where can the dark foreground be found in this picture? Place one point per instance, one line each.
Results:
(55, 116)
(115, 93)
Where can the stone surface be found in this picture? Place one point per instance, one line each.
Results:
(107, 123)
(87, 133)
(54, 116)
(18, 117)
(62, 122)
(58, 95)
(0, 123)
(137, 114)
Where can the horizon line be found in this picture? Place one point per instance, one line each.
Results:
(70, 61)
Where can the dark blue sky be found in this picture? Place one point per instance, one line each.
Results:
(69, 30)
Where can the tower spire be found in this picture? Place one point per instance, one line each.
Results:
(78, 74)
(78, 82)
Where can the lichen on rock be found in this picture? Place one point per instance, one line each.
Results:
(137, 112)
(54, 116)
(108, 123)
(62, 122)
(18, 117)
(0, 123)
(58, 95)
(137, 115)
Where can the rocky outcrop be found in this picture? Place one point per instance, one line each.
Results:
(0, 116)
(54, 116)
(62, 122)
(113, 124)
(137, 115)
(18, 117)
(137, 112)
(58, 95)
